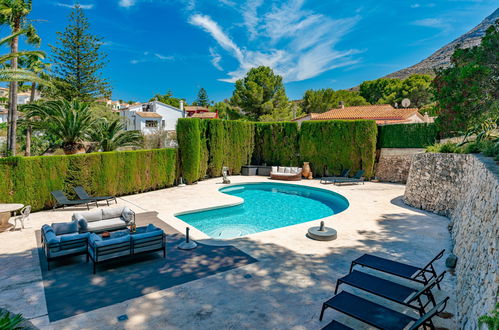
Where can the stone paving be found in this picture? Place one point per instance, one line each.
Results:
(283, 290)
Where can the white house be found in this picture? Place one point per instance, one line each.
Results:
(3, 115)
(151, 117)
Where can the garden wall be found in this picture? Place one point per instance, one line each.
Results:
(466, 189)
(394, 164)
(29, 180)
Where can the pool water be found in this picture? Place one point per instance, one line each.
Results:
(266, 206)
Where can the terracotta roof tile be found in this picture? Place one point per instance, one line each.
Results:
(378, 112)
(148, 114)
(195, 108)
(205, 115)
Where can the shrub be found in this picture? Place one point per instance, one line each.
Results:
(490, 149)
(446, 148)
(189, 142)
(29, 180)
(407, 135)
(276, 144)
(339, 144)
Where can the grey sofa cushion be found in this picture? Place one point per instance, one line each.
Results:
(89, 216)
(108, 224)
(61, 228)
(112, 212)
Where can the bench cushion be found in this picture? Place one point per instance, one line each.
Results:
(108, 224)
(89, 216)
(112, 212)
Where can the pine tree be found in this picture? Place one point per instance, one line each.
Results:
(79, 60)
(202, 99)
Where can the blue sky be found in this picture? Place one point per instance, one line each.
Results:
(181, 45)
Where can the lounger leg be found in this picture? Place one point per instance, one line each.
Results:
(115, 200)
(324, 306)
(351, 266)
(435, 275)
(87, 257)
(164, 252)
(338, 283)
(107, 201)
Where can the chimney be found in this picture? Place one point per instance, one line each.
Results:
(182, 108)
(426, 117)
(342, 105)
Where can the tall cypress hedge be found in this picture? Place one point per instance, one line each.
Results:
(407, 135)
(276, 144)
(189, 145)
(339, 144)
(29, 180)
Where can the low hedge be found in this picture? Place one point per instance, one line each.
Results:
(276, 144)
(29, 180)
(339, 144)
(407, 135)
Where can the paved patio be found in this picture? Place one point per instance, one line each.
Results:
(283, 290)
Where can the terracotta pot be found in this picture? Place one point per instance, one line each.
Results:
(305, 172)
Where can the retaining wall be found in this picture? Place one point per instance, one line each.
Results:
(466, 189)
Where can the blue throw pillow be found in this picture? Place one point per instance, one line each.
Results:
(62, 228)
(51, 238)
(46, 229)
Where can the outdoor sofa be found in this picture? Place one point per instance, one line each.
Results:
(286, 173)
(125, 244)
(63, 240)
(99, 220)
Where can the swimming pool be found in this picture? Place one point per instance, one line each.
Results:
(266, 206)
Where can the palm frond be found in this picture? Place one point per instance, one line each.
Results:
(9, 74)
(8, 57)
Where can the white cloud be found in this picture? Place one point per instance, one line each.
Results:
(431, 22)
(82, 6)
(126, 3)
(298, 44)
(215, 59)
(216, 32)
(415, 5)
(163, 57)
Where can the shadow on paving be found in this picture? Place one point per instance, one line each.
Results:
(71, 288)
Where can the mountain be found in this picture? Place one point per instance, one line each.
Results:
(441, 58)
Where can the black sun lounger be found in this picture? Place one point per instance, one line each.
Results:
(418, 274)
(357, 178)
(398, 293)
(377, 315)
(81, 192)
(335, 325)
(62, 200)
(330, 179)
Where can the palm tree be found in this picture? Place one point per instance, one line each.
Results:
(69, 121)
(36, 66)
(14, 13)
(110, 135)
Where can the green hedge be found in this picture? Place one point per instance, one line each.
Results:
(407, 135)
(276, 144)
(29, 180)
(207, 145)
(339, 144)
(189, 145)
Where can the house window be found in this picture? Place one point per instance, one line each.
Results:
(151, 123)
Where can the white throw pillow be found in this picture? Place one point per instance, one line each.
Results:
(274, 169)
(287, 170)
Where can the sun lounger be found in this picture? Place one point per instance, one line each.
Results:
(335, 325)
(378, 315)
(357, 178)
(62, 200)
(395, 292)
(330, 179)
(81, 192)
(414, 273)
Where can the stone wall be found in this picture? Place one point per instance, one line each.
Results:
(466, 189)
(394, 163)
